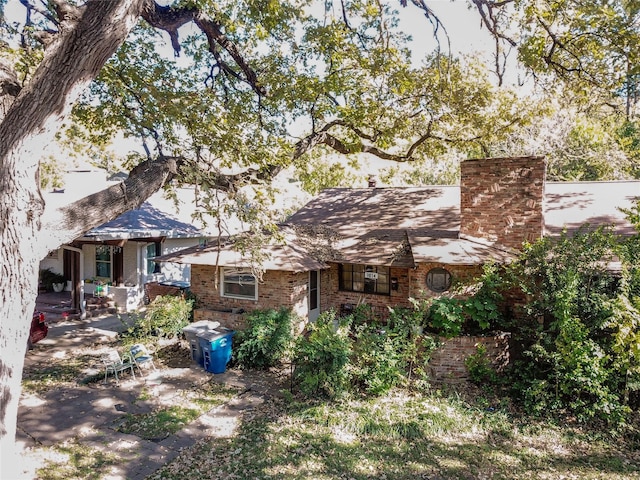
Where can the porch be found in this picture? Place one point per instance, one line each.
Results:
(57, 306)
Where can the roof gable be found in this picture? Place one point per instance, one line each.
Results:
(146, 221)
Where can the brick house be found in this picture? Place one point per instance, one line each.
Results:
(383, 246)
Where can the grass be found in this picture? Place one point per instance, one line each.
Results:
(167, 420)
(402, 436)
(398, 436)
(74, 460)
(158, 424)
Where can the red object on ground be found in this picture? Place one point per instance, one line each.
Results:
(39, 328)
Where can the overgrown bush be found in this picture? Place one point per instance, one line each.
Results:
(575, 329)
(165, 317)
(48, 277)
(321, 356)
(473, 310)
(479, 366)
(387, 354)
(266, 340)
(446, 317)
(360, 353)
(377, 363)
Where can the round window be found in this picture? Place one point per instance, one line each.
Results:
(438, 280)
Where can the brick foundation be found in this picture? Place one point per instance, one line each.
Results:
(447, 362)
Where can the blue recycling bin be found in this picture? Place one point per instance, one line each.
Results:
(191, 332)
(216, 349)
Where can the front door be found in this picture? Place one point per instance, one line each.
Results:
(314, 295)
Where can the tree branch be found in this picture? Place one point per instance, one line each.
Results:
(72, 221)
(489, 20)
(214, 33)
(433, 19)
(170, 19)
(323, 137)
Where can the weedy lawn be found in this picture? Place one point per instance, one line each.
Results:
(400, 436)
(403, 436)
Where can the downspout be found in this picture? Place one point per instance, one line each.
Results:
(83, 312)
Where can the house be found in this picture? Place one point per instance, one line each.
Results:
(116, 258)
(383, 246)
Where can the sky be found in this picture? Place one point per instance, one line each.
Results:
(461, 23)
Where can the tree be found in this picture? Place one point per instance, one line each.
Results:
(586, 54)
(262, 85)
(592, 46)
(577, 147)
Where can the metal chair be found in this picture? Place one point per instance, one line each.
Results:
(114, 364)
(140, 356)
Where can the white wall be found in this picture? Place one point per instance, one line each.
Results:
(53, 261)
(177, 271)
(89, 266)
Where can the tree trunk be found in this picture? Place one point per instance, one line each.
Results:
(71, 62)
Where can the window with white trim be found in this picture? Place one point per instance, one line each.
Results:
(239, 283)
(103, 261)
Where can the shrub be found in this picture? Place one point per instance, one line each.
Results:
(574, 329)
(474, 310)
(385, 355)
(446, 316)
(479, 366)
(377, 362)
(48, 277)
(362, 354)
(266, 340)
(165, 317)
(321, 356)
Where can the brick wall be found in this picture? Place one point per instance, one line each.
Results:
(411, 283)
(276, 290)
(459, 274)
(501, 199)
(447, 362)
(334, 298)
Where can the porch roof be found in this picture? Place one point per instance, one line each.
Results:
(146, 221)
(428, 247)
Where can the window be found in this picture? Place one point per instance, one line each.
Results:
(153, 250)
(313, 290)
(239, 283)
(103, 261)
(438, 280)
(364, 278)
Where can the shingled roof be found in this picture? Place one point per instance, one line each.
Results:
(405, 226)
(146, 221)
(284, 252)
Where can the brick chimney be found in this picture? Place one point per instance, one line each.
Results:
(501, 199)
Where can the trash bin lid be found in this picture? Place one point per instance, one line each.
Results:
(215, 334)
(202, 325)
(211, 335)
